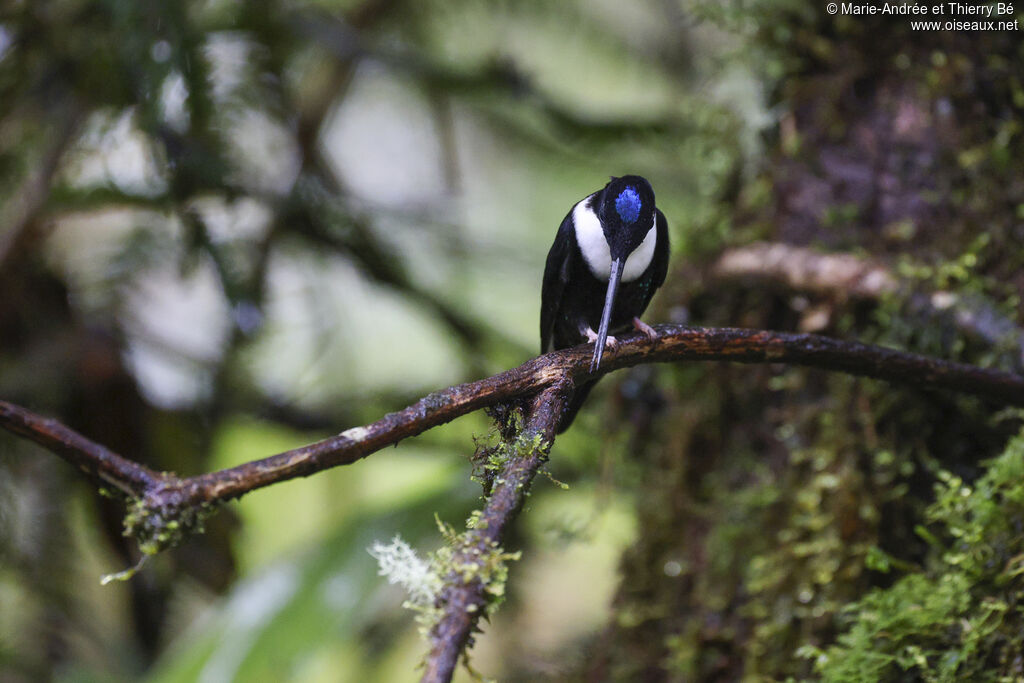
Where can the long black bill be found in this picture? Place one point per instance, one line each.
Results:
(606, 314)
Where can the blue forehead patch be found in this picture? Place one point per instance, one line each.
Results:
(627, 204)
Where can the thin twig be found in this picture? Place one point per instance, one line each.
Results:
(99, 463)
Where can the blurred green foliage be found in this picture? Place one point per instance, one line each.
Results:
(227, 229)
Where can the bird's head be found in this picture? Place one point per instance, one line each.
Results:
(626, 211)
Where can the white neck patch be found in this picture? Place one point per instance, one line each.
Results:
(590, 238)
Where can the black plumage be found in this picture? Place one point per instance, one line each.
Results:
(608, 258)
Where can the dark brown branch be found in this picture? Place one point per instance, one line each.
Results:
(165, 503)
(672, 344)
(102, 465)
(463, 600)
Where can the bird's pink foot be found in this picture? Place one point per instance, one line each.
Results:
(610, 342)
(648, 331)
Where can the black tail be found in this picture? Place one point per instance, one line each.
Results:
(575, 403)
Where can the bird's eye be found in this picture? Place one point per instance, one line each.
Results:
(627, 204)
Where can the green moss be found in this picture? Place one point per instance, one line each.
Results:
(961, 619)
(507, 442)
(156, 529)
(467, 558)
(462, 559)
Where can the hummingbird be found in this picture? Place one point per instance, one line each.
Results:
(609, 256)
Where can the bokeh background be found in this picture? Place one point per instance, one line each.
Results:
(231, 228)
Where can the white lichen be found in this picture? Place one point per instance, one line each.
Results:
(401, 565)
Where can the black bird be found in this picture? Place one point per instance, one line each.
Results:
(609, 256)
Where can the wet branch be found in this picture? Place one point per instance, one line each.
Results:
(672, 344)
(463, 599)
(102, 465)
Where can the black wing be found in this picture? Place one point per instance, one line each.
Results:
(556, 275)
(659, 265)
(661, 253)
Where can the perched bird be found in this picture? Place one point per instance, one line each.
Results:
(609, 256)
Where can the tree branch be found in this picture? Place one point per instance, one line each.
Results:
(464, 598)
(673, 343)
(800, 268)
(164, 506)
(99, 463)
(842, 276)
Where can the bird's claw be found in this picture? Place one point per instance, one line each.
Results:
(648, 331)
(610, 342)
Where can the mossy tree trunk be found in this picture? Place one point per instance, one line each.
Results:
(775, 497)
